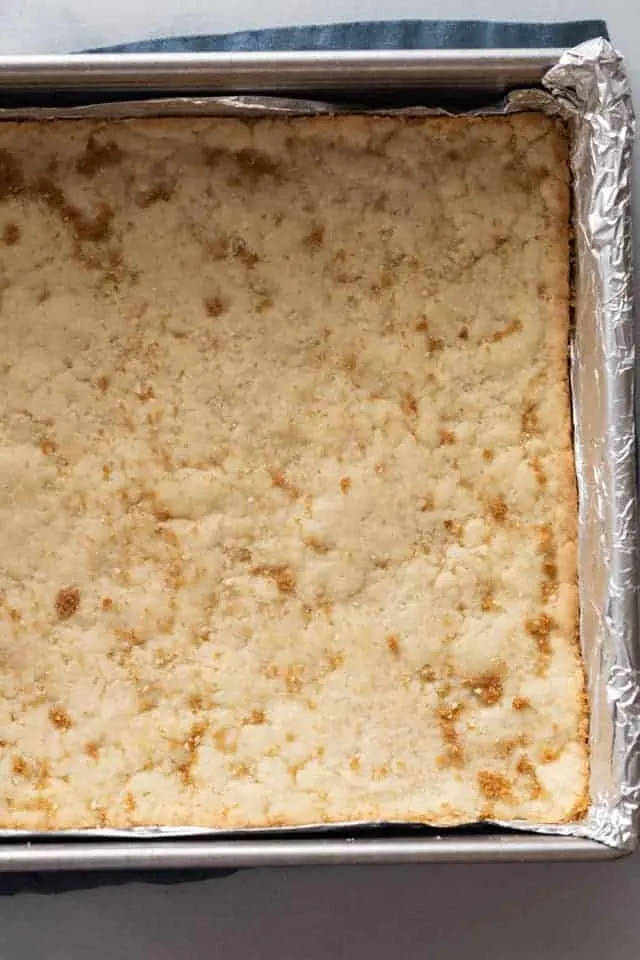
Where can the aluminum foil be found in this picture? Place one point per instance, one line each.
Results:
(590, 85)
(589, 89)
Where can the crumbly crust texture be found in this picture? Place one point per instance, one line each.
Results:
(287, 498)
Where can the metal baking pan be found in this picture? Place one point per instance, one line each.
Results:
(30, 83)
(311, 73)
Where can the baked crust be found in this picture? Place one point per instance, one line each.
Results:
(287, 496)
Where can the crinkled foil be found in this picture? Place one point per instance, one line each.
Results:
(589, 89)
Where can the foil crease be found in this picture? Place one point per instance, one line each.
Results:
(589, 84)
(589, 89)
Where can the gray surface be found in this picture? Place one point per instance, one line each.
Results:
(522, 912)
(529, 912)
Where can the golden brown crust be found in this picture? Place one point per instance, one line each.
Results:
(558, 337)
(288, 455)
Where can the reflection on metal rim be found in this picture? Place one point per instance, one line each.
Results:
(170, 854)
(266, 71)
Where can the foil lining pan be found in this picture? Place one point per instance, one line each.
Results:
(589, 89)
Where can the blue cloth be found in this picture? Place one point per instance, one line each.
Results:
(375, 35)
(384, 35)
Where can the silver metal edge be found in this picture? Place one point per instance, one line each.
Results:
(260, 71)
(180, 854)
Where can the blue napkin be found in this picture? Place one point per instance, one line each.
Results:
(375, 35)
(383, 35)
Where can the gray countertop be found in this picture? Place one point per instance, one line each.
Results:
(511, 912)
(524, 911)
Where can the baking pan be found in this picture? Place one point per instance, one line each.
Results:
(312, 73)
(180, 83)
